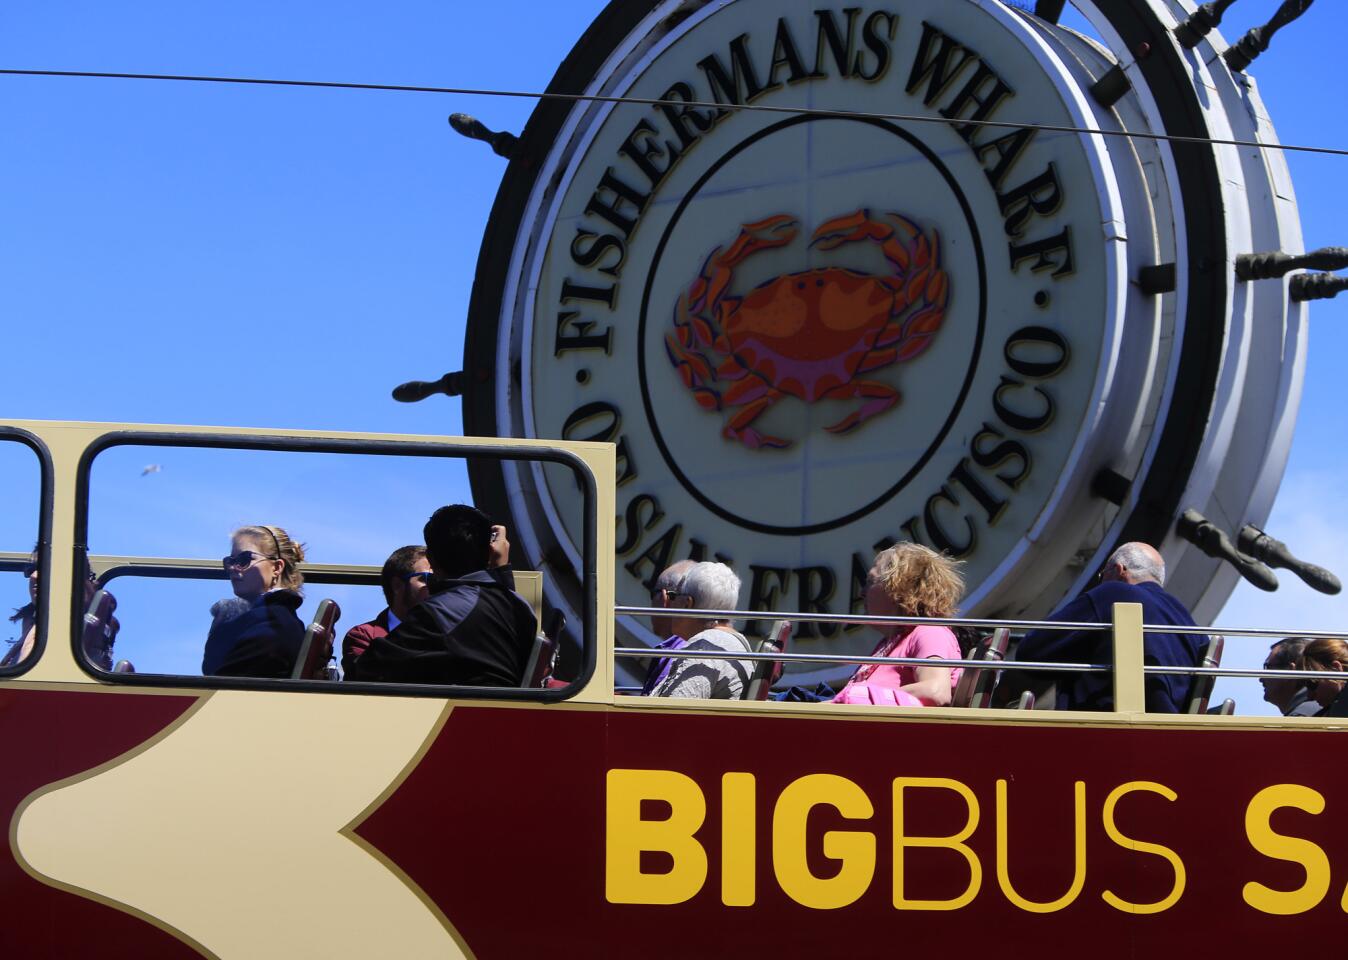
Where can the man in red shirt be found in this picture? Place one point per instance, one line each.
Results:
(403, 578)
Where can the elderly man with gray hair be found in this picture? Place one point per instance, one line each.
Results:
(708, 586)
(1134, 573)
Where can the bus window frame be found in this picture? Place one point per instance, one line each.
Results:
(46, 502)
(280, 443)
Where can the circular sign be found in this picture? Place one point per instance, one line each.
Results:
(817, 343)
(839, 275)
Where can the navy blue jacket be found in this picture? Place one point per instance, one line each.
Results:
(473, 630)
(263, 642)
(1095, 691)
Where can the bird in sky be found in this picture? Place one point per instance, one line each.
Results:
(151, 468)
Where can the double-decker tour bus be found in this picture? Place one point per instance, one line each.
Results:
(777, 285)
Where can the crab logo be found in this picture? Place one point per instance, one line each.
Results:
(812, 334)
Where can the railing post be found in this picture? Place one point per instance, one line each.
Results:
(1129, 680)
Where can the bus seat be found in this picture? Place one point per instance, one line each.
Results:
(543, 656)
(316, 650)
(1225, 708)
(539, 664)
(100, 629)
(1201, 689)
(1026, 701)
(975, 686)
(767, 672)
(124, 666)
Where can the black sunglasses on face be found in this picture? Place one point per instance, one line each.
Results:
(243, 560)
(424, 576)
(667, 597)
(31, 567)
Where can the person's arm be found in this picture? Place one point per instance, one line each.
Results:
(1061, 646)
(356, 641)
(1169, 692)
(20, 651)
(1058, 645)
(424, 644)
(932, 685)
(703, 679)
(696, 679)
(400, 655)
(1165, 693)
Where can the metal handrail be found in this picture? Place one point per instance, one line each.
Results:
(360, 574)
(194, 568)
(867, 620)
(647, 652)
(1028, 665)
(1244, 672)
(110, 567)
(862, 619)
(12, 561)
(1237, 632)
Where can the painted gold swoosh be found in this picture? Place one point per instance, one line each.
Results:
(231, 829)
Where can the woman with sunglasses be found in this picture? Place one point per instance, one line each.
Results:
(26, 618)
(258, 634)
(98, 647)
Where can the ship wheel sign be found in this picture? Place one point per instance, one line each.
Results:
(906, 298)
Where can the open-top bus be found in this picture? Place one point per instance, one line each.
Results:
(153, 814)
(788, 281)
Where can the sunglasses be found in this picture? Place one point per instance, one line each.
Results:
(31, 567)
(667, 597)
(243, 560)
(424, 576)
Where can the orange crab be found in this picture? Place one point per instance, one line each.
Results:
(812, 334)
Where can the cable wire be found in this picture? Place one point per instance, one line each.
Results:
(643, 101)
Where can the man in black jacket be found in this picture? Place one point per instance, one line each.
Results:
(473, 629)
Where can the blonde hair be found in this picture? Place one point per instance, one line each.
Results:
(920, 581)
(288, 550)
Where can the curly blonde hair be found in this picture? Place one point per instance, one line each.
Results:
(920, 581)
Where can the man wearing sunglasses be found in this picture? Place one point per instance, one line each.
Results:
(404, 580)
(473, 629)
(667, 594)
(707, 586)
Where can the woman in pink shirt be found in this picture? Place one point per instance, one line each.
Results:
(910, 580)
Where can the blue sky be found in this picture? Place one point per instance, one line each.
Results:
(207, 254)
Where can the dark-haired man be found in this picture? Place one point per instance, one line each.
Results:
(404, 581)
(473, 629)
(1290, 696)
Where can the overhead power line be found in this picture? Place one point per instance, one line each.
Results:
(643, 101)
